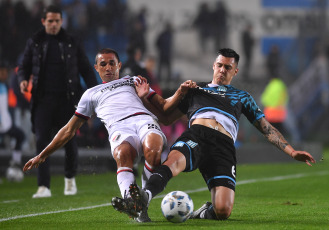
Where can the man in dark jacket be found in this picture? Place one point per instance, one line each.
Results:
(54, 59)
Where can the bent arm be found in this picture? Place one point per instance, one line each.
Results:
(276, 138)
(62, 137)
(170, 104)
(167, 109)
(165, 118)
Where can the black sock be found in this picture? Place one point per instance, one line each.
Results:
(158, 180)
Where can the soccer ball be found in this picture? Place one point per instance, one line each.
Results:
(177, 206)
(14, 174)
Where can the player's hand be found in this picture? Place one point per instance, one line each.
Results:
(33, 163)
(303, 156)
(142, 89)
(139, 80)
(23, 86)
(185, 86)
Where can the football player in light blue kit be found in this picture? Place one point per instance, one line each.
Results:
(213, 110)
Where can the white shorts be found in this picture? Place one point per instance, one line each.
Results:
(134, 130)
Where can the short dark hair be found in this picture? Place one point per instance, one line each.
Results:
(227, 52)
(51, 9)
(107, 51)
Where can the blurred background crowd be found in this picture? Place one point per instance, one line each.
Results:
(283, 45)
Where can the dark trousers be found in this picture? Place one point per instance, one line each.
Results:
(18, 135)
(51, 113)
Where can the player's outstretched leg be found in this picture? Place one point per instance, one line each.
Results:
(140, 198)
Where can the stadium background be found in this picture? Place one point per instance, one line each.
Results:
(298, 27)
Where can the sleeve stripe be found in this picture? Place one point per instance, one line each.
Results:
(81, 116)
(149, 97)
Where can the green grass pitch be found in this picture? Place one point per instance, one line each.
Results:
(268, 196)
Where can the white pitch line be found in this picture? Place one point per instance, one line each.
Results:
(52, 212)
(9, 201)
(277, 178)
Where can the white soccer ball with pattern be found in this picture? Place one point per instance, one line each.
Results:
(14, 174)
(177, 206)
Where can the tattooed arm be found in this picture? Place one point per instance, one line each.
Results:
(276, 138)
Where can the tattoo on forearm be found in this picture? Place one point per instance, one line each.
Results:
(272, 134)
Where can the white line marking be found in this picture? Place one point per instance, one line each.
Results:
(277, 178)
(9, 201)
(52, 212)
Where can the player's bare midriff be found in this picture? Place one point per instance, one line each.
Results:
(211, 123)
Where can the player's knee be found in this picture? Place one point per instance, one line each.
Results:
(223, 212)
(124, 154)
(152, 156)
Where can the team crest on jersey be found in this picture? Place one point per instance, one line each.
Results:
(221, 88)
(116, 137)
(153, 126)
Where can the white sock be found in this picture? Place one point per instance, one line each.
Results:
(125, 177)
(17, 156)
(147, 173)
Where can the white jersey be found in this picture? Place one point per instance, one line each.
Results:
(116, 103)
(112, 102)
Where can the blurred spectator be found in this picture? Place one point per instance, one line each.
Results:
(8, 31)
(55, 59)
(21, 112)
(132, 66)
(7, 125)
(273, 62)
(141, 17)
(150, 63)
(202, 23)
(113, 16)
(94, 17)
(275, 99)
(17, 23)
(220, 25)
(164, 44)
(92, 134)
(248, 42)
(136, 36)
(36, 14)
(78, 19)
(22, 18)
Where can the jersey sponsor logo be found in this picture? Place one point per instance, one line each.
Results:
(233, 171)
(215, 91)
(191, 144)
(153, 126)
(128, 82)
(116, 137)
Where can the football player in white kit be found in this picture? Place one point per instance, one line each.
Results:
(133, 130)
